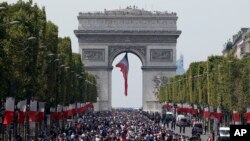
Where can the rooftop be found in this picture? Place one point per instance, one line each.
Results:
(129, 11)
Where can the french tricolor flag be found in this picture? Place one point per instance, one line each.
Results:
(33, 111)
(52, 113)
(9, 110)
(124, 65)
(22, 105)
(236, 116)
(40, 113)
(248, 114)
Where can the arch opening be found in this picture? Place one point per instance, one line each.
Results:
(140, 52)
(134, 97)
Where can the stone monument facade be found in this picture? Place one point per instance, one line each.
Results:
(152, 36)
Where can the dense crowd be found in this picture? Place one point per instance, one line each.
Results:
(117, 125)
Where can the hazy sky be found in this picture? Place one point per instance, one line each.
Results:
(205, 24)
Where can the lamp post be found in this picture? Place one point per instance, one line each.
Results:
(27, 40)
(2, 8)
(15, 120)
(30, 89)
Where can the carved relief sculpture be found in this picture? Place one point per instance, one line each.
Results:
(93, 54)
(161, 55)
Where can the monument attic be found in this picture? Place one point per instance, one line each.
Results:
(152, 36)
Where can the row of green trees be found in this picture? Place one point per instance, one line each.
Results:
(35, 62)
(219, 82)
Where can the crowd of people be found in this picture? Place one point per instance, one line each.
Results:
(116, 125)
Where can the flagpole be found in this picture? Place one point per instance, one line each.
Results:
(2, 118)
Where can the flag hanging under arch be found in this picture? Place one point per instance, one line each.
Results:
(124, 65)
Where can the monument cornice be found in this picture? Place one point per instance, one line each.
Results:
(126, 32)
(152, 17)
(127, 12)
(96, 68)
(126, 38)
(161, 68)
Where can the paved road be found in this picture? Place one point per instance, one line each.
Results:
(188, 132)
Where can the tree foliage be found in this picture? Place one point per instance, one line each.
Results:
(219, 82)
(36, 63)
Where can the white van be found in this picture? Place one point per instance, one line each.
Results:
(181, 120)
(170, 114)
(178, 117)
(224, 134)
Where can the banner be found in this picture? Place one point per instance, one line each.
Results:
(52, 114)
(59, 112)
(236, 116)
(9, 110)
(41, 110)
(22, 105)
(33, 111)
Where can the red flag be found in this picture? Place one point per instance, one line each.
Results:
(65, 112)
(236, 116)
(124, 65)
(248, 114)
(59, 112)
(9, 110)
(52, 114)
(195, 111)
(78, 106)
(219, 114)
(22, 110)
(82, 107)
(206, 113)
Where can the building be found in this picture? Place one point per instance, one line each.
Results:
(180, 67)
(240, 44)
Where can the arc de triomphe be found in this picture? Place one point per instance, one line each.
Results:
(152, 36)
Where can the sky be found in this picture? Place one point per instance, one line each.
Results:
(205, 24)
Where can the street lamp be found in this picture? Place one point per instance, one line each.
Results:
(51, 54)
(10, 23)
(66, 67)
(43, 46)
(57, 60)
(2, 8)
(14, 22)
(62, 66)
(31, 38)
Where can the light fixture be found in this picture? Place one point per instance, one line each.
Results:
(14, 22)
(2, 8)
(43, 46)
(51, 54)
(56, 60)
(31, 38)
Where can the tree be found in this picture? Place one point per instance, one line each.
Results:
(219, 82)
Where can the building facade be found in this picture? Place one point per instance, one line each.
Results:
(239, 47)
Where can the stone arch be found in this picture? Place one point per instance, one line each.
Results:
(103, 36)
(140, 52)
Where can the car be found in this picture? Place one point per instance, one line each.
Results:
(224, 134)
(189, 119)
(178, 117)
(169, 115)
(197, 128)
(182, 121)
